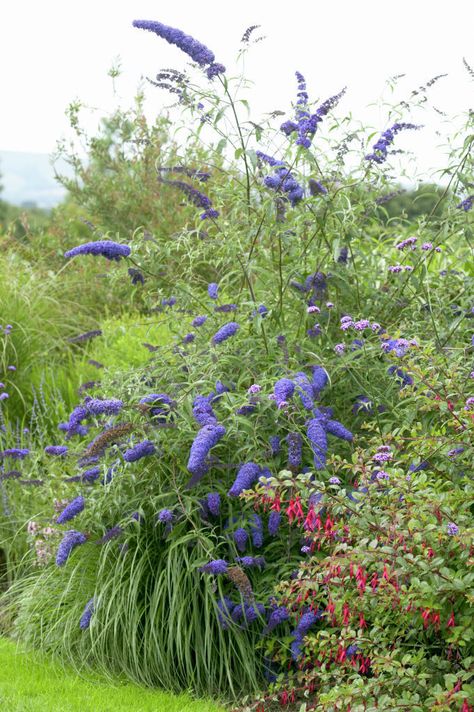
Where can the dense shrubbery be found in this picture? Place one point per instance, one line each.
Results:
(269, 489)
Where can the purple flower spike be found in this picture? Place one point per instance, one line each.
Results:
(275, 444)
(216, 567)
(295, 447)
(317, 437)
(107, 248)
(319, 381)
(85, 621)
(241, 538)
(274, 523)
(304, 389)
(277, 616)
(214, 503)
(110, 534)
(379, 149)
(251, 561)
(335, 428)
(225, 607)
(214, 69)
(143, 449)
(207, 437)
(225, 332)
(165, 516)
(203, 412)
(466, 204)
(246, 476)
(15, 453)
(283, 391)
(198, 52)
(71, 510)
(71, 539)
(213, 290)
(306, 622)
(57, 450)
(256, 528)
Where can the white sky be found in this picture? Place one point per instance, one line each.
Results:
(54, 51)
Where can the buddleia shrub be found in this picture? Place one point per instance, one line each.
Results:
(301, 333)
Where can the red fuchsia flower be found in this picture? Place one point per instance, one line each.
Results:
(466, 707)
(284, 698)
(294, 510)
(311, 520)
(426, 615)
(328, 527)
(374, 581)
(276, 504)
(330, 608)
(361, 579)
(346, 614)
(362, 621)
(435, 619)
(451, 623)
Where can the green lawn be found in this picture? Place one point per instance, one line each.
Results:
(31, 684)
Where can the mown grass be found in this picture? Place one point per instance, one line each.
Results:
(29, 683)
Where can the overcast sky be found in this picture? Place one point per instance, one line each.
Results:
(54, 51)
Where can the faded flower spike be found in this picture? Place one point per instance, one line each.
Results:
(107, 248)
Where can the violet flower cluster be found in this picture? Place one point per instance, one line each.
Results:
(380, 148)
(142, 449)
(216, 567)
(247, 475)
(306, 622)
(225, 332)
(306, 123)
(71, 539)
(57, 450)
(208, 436)
(198, 52)
(71, 510)
(295, 449)
(92, 407)
(85, 620)
(195, 197)
(466, 204)
(15, 453)
(107, 248)
(317, 429)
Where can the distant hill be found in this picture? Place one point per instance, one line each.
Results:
(28, 179)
